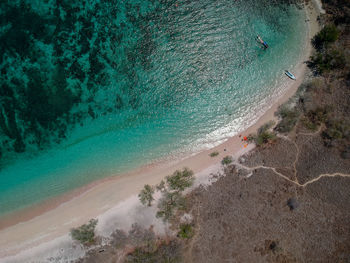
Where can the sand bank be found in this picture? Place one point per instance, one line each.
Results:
(46, 226)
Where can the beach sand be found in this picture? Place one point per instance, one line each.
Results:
(47, 225)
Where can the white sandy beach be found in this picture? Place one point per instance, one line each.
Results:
(113, 200)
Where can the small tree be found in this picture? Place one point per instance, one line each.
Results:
(168, 204)
(265, 127)
(264, 135)
(146, 195)
(85, 234)
(227, 160)
(214, 154)
(186, 231)
(328, 60)
(180, 180)
(327, 35)
(161, 186)
(171, 189)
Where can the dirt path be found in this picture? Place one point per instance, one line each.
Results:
(297, 148)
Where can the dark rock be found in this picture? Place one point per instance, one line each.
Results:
(118, 102)
(91, 112)
(19, 145)
(273, 245)
(292, 203)
(346, 153)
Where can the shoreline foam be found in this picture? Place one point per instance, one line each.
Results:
(52, 220)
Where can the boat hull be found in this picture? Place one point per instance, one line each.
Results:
(290, 75)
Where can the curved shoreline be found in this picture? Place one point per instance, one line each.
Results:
(54, 218)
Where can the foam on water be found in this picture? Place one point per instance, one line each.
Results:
(194, 76)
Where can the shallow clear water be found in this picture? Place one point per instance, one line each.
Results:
(112, 85)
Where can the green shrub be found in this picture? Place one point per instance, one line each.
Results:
(289, 118)
(251, 138)
(186, 231)
(227, 160)
(146, 195)
(309, 124)
(315, 117)
(329, 60)
(85, 234)
(180, 180)
(333, 133)
(214, 154)
(319, 115)
(335, 130)
(327, 35)
(172, 198)
(266, 126)
(264, 137)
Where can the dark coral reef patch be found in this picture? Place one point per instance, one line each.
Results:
(55, 58)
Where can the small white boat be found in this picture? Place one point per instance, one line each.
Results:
(290, 75)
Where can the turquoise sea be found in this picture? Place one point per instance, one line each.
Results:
(91, 89)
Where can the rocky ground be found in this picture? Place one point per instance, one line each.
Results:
(294, 207)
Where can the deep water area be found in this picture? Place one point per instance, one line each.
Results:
(94, 88)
